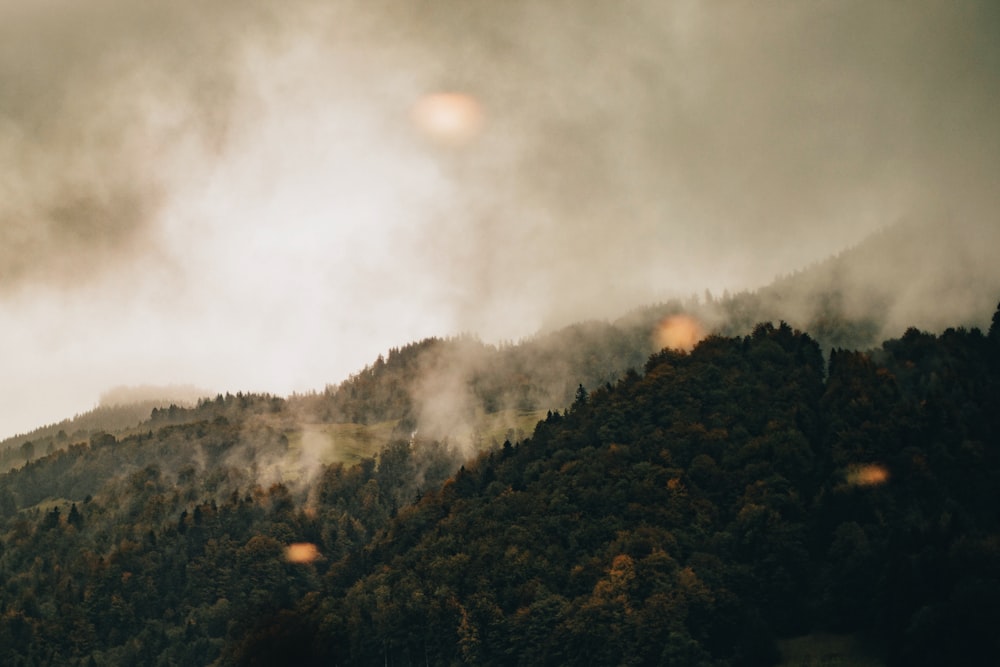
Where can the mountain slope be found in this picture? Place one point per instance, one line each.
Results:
(693, 514)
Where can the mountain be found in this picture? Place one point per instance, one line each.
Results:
(910, 274)
(929, 274)
(694, 511)
(120, 409)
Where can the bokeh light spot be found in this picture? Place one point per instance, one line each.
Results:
(301, 552)
(679, 332)
(449, 117)
(867, 474)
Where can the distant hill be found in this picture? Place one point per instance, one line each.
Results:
(119, 410)
(179, 394)
(929, 275)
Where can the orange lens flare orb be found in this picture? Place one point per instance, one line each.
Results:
(869, 474)
(679, 332)
(301, 552)
(449, 117)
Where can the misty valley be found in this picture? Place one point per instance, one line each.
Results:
(585, 496)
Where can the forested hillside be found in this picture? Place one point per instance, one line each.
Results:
(692, 513)
(436, 384)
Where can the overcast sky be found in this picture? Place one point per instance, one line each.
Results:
(240, 194)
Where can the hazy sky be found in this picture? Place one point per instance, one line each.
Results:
(235, 194)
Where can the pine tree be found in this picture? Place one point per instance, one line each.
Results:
(74, 519)
(994, 334)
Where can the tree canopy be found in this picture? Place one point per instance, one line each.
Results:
(692, 512)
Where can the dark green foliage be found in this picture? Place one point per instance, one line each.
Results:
(994, 333)
(690, 514)
(693, 514)
(167, 545)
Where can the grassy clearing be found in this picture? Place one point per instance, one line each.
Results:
(339, 443)
(826, 650)
(46, 506)
(349, 443)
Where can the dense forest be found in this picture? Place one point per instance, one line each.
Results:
(692, 511)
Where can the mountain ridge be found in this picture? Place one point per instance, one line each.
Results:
(851, 300)
(693, 511)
